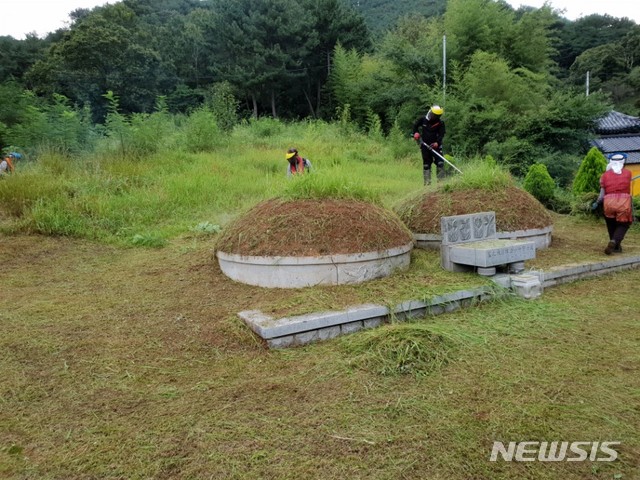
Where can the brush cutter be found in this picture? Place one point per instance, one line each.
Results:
(433, 150)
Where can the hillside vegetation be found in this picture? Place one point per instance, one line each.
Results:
(514, 78)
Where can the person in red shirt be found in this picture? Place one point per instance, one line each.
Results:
(297, 164)
(615, 191)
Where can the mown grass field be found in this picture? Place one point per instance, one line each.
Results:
(123, 362)
(132, 363)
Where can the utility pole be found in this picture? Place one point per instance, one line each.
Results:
(587, 82)
(444, 68)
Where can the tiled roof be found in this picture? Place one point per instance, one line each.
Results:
(616, 122)
(629, 144)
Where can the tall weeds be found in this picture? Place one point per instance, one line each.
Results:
(154, 177)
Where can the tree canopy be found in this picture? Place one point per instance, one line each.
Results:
(513, 85)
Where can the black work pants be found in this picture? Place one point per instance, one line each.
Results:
(429, 158)
(617, 230)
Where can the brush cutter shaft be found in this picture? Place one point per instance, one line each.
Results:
(433, 150)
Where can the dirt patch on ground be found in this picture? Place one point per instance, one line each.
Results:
(515, 209)
(313, 227)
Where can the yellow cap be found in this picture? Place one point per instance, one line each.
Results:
(437, 110)
(290, 154)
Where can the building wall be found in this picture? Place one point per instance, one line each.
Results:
(635, 172)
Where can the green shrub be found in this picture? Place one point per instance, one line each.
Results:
(539, 183)
(561, 202)
(588, 176)
(512, 152)
(636, 208)
(117, 126)
(343, 115)
(490, 161)
(149, 133)
(223, 105)
(200, 132)
(400, 144)
(561, 167)
(265, 127)
(373, 124)
(56, 125)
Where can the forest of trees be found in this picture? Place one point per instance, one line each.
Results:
(515, 83)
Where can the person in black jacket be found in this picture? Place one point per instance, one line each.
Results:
(430, 130)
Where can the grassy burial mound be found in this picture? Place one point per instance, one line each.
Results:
(313, 227)
(481, 188)
(316, 215)
(314, 235)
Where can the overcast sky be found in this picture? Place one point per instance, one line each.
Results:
(20, 17)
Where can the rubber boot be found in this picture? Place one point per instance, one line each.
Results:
(610, 248)
(426, 175)
(617, 248)
(440, 173)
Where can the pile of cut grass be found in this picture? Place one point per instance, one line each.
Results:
(403, 349)
(316, 227)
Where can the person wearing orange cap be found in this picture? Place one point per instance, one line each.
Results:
(615, 192)
(297, 163)
(6, 165)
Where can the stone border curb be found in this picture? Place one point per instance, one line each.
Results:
(302, 329)
(565, 274)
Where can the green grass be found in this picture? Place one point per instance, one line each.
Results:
(479, 174)
(111, 199)
(328, 184)
(132, 363)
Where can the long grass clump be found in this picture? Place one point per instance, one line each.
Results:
(479, 174)
(328, 184)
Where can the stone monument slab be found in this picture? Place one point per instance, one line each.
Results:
(469, 242)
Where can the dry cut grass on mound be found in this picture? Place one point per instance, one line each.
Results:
(313, 227)
(515, 208)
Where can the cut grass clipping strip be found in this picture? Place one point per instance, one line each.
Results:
(401, 349)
